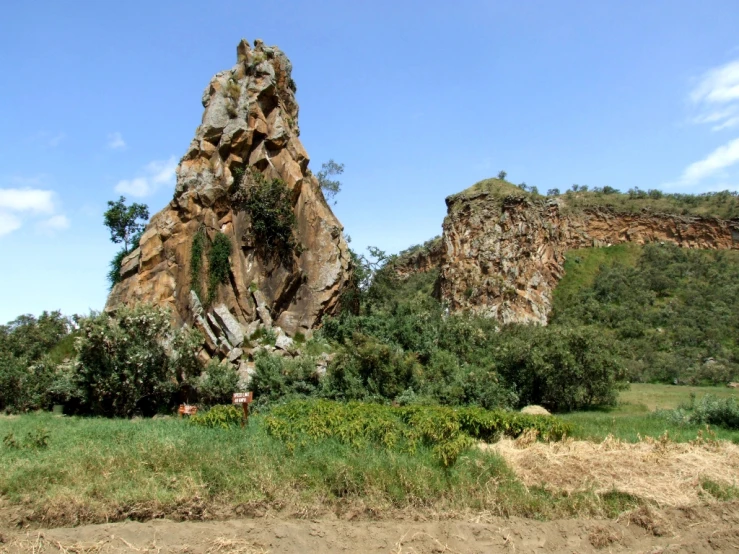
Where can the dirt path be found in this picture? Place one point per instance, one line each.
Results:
(709, 528)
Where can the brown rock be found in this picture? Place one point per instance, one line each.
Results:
(250, 114)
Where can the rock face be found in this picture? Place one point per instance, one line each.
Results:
(503, 256)
(250, 124)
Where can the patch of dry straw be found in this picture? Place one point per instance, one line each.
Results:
(659, 470)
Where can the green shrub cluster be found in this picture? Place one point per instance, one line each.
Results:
(219, 266)
(270, 207)
(129, 363)
(672, 313)
(219, 416)
(403, 347)
(449, 432)
(31, 353)
(709, 410)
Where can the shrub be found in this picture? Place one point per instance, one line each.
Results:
(221, 417)
(218, 264)
(447, 431)
(560, 368)
(270, 207)
(123, 366)
(276, 378)
(199, 242)
(218, 383)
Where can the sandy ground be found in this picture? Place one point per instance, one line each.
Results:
(706, 528)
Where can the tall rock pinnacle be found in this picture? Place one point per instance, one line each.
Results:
(248, 138)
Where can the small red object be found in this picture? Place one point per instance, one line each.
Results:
(187, 409)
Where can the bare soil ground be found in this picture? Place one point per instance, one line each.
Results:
(706, 528)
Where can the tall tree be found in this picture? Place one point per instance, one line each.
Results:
(330, 187)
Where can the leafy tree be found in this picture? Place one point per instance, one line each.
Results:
(502, 175)
(330, 187)
(123, 221)
(553, 192)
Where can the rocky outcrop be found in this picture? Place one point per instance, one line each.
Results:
(250, 124)
(503, 255)
(419, 259)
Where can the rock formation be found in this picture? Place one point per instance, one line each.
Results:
(503, 254)
(250, 125)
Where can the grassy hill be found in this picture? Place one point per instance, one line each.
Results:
(674, 313)
(723, 204)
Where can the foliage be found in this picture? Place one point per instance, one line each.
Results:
(123, 366)
(276, 378)
(270, 207)
(199, 243)
(30, 350)
(221, 417)
(502, 175)
(560, 368)
(219, 266)
(218, 383)
(114, 274)
(447, 431)
(671, 312)
(329, 186)
(123, 221)
(708, 410)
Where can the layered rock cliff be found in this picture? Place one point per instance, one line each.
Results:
(250, 124)
(503, 254)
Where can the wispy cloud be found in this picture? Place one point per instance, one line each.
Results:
(48, 138)
(8, 223)
(716, 96)
(116, 142)
(53, 224)
(714, 164)
(154, 175)
(20, 204)
(27, 200)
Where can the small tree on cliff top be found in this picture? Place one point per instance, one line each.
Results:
(123, 221)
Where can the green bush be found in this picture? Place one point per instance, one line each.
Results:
(449, 432)
(219, 266)
(270, 207)
(30, 350)
(218, 383)
(711, 410)
(221, 417)
(276, 378)
(123, 366)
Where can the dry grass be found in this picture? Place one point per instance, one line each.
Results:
(657, 470)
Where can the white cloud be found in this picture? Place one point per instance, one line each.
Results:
(18, 205)
(116, 142)
(716, 95)
(156, 174)
(723, 157)
(53, 224)
(32, 200)
(8, 223)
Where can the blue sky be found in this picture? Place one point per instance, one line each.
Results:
(418, 99)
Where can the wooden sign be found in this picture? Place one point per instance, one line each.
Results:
(186, 409)
(242, 397)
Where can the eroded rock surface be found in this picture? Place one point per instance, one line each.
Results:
(503, 256)
(250, 123)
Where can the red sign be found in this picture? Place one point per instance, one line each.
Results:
(186, 409)
(242, 398)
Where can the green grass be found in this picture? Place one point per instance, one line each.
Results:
(96, 470)
(632, 417)
(724, 205)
